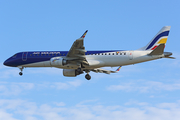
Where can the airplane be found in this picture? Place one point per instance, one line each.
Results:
(77, 60)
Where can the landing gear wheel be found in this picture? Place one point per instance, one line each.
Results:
(21, 68)
(20, 73)
(79, 70)
(87, 76)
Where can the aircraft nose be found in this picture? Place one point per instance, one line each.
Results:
(7, 63)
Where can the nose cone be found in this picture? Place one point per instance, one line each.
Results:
(8, 62)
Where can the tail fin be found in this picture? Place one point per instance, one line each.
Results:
(160, 38)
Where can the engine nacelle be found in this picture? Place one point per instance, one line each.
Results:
(71, 72)
(58, 61)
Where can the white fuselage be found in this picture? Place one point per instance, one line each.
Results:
(109, 59)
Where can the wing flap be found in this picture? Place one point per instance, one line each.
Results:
(99, 70)
(81, 50)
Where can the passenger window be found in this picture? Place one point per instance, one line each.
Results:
(113, 54)
(105, 53)
(63, 54)
(124, 53)
(109, 53)
(30, 54)
(120, 53)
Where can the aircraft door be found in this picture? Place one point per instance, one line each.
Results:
(130, 55)
(24, 56)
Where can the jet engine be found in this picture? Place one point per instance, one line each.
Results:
(71, 72)
(58, 61)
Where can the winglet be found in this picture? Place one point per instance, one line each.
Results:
(118, 68)
(83, 36)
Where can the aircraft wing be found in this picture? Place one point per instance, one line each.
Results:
(99, 70)
(77, 51)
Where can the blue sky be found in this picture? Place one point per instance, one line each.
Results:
(143, 91)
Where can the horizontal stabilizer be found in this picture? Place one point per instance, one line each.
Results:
(158, 50)
(171, 57)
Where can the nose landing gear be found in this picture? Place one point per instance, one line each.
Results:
(20, 73)
(21, 68)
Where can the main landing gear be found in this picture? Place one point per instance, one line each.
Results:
(80, 71)
(21, 68)
(87, 76)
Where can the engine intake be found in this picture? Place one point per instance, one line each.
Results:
(58, 61)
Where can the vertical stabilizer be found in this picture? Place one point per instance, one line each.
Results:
(160, 38)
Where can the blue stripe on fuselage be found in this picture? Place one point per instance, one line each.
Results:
(33, 57)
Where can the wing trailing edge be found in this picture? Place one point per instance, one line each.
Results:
(99, 70)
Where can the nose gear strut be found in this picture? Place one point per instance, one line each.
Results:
(21, 68)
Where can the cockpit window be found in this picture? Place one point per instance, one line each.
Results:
(14, 55)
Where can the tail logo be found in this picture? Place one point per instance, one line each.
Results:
(159, 39)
